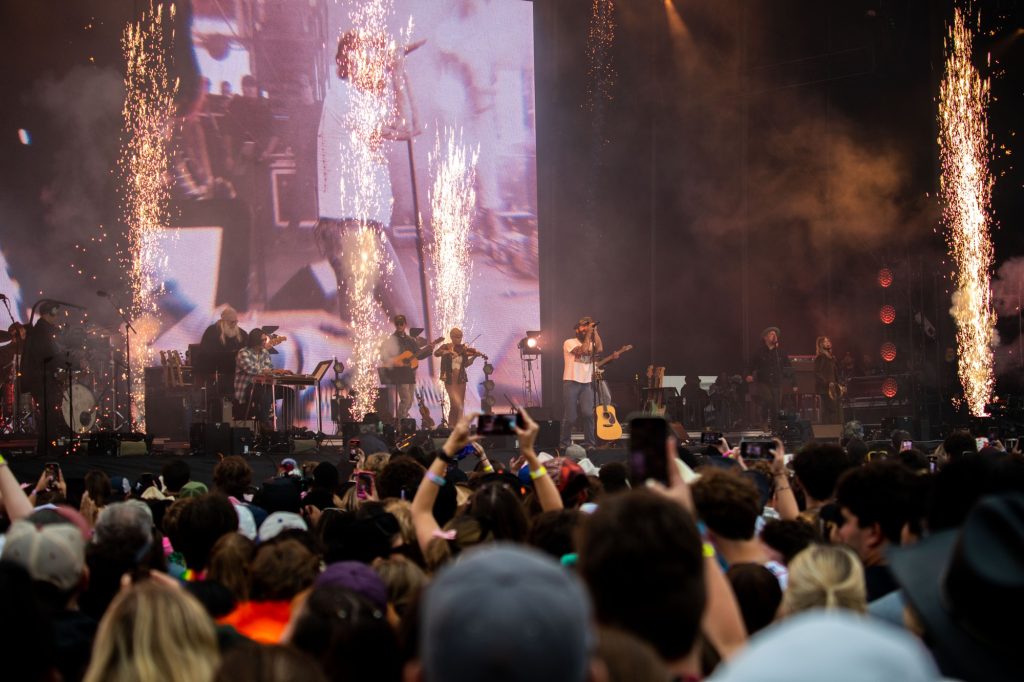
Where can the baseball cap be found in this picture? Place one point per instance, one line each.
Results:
(498, 594)
(193, 489)
(830, 645)
(575, 452)
(53, 554)
(281, 521)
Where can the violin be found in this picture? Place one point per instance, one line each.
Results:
(467, 352)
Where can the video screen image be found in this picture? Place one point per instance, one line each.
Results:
(266, 188)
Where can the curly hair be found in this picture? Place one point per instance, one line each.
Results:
(728, 503)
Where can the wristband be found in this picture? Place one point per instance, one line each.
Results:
(539, 473)
(488, 469)
(2, 460)
(444, 457)
(439, 481)
(708, 550)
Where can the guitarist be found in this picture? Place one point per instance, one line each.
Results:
(577, 392)
(826, 382)
(404, 374)
(455, 358)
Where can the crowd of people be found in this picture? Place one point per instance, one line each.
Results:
(829, 564)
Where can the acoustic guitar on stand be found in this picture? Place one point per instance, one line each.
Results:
(608, 426)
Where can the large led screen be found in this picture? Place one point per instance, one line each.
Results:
(257, 171)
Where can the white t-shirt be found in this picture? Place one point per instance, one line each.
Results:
(346, 163)
(576, 368)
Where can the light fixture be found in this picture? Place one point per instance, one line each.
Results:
(530, 344)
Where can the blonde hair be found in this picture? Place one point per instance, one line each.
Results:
(404, 580)
(825, 577)
(153, 633)
(402, 511)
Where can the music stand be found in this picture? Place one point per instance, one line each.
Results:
(387, 378)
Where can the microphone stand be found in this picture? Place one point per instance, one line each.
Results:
(128, 330)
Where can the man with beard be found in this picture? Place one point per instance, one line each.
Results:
(768, 370)
(577, 391)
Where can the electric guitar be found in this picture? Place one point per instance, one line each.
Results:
(598, 372)
(608, 426)
(410, 358)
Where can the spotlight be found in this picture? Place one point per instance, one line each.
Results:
(488, 385)
(890, 388)
(887, 314)
(339, 367)
(529, 345)
(885, 278)
(488, 369)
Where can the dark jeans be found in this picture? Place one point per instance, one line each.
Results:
(578, 396)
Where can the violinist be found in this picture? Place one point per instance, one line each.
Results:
(455, 358)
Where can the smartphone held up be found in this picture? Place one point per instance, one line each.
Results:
(648, 437)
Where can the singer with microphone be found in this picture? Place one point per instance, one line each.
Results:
(577, 394)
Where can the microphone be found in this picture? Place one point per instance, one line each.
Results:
(594, 324)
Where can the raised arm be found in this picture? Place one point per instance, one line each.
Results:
(547, 493)
(15, 501)
(423, 520)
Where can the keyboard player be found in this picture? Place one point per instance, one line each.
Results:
(256, 398)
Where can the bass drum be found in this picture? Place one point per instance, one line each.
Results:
(85, 409)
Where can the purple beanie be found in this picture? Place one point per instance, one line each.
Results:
(357, 577)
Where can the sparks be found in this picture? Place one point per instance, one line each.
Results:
(452, 203)
(145, 158)
(600, 38)
(966, 186)
(372, 109)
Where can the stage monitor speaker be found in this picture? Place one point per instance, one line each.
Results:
(212, 438)
(168, 415)
(550, 433)
(118, 444)
(242, 439)
(827, 432)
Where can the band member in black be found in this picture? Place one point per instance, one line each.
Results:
(769, 372)
(214, 362)
(826, 382)
(455, 358)
(40, 363)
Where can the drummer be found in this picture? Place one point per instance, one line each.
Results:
(39, 365)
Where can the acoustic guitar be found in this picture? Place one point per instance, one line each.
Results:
(427, 422)
(411, 359)
(608, 426)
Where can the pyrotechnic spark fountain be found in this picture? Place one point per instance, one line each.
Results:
(600, 38)
(372, 109)
(452, 202)
(966, 186)
(148, 114)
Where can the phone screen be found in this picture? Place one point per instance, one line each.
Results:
(710, 437)
(979, 443)
(647, 460)
(496, 424)
(906, 445)
(756, 449)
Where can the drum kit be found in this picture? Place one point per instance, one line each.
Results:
(89, 381)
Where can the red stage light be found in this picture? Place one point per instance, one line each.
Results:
(888, 351)
(885, 278)
(890, 388)
(887, 314)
